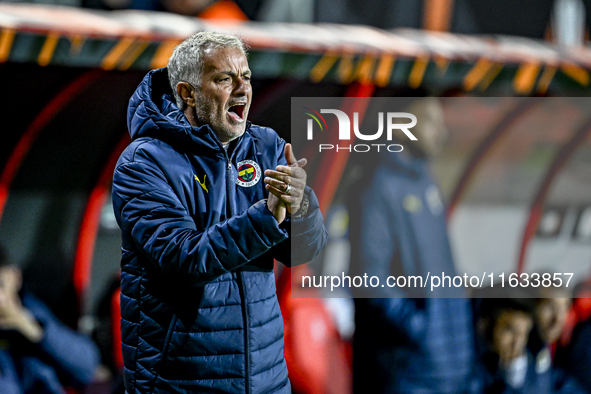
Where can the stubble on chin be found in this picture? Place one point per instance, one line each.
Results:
(205, 115)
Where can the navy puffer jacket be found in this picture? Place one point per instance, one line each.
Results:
(199, 313)
(403, 344)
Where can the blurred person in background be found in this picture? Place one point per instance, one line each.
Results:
(574, 352)
(550, 314)
(38, 353)
(551, 311)
(515, 339)
(206, 201)
(107, 334)
(397, 227)
(503, 327)
(578, 355)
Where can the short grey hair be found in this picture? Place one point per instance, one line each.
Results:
(186, 65)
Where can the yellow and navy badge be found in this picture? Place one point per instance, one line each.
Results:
(249, 173)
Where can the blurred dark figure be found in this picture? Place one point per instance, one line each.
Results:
(206, 9)
(503, 327)
(107, 333)
(384, 14)
(526, 18)
(397, 227)
(550, 315)
(508, 364)
(38, 353)
(578, 354)
(551, 312)
(575, 350)
(49, 259)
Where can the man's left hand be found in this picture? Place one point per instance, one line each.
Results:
(290, 178)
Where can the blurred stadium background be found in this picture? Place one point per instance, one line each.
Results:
(516, 197)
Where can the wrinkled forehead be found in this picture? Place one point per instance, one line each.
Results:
(515, 320)
(230, 59)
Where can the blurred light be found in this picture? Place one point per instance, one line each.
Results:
(108, 221)
(583, 231)
(550, 223)
(338, 223)
(569, 22)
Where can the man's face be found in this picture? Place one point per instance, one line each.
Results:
(510, 335)
(551, 314)
(223, 101)
(430, 129)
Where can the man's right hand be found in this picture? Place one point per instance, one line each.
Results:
(280, 203)
(277, 207)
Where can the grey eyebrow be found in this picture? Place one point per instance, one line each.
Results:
(233, 74)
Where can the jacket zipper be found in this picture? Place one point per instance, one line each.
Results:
(242, 287)
(246, 331)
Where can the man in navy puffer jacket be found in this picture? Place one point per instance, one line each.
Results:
(408, 340)
(201, 226)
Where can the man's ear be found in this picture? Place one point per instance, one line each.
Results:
(185, 91)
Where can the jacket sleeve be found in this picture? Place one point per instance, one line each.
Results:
(564, 383)
(71, 353)
(9, 380)
(160, 227)
(307, 235)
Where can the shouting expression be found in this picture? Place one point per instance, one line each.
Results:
(224, 98)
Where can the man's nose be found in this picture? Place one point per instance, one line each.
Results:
(241, 87)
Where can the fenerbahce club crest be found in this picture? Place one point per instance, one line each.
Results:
(249, 173)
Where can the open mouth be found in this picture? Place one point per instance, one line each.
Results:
(236, 111)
